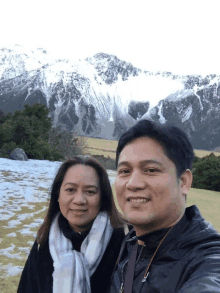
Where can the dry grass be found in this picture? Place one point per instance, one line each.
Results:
(96, 146)
(9, 284)
(200, 153)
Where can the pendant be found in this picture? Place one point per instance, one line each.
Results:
(122, 288)
(145, 278)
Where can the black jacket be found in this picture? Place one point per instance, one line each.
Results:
(37, 273)
(188, 260)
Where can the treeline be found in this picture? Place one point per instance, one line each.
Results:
(31, 130)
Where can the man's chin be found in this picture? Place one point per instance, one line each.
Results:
(135, 218)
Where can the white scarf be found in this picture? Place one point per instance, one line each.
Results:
(73, 269)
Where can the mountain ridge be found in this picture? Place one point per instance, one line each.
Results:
(102, 96)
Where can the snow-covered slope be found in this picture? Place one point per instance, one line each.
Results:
(102, 96)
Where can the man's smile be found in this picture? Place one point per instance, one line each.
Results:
(138, 200)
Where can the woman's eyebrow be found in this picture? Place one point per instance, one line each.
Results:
(87, 186)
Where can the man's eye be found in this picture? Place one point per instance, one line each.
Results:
(151, 170)
(124, 171)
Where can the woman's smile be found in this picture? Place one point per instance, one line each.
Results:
(78, 212)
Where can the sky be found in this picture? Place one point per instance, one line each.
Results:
(167, 35)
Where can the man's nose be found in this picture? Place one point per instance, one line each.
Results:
(136, 181)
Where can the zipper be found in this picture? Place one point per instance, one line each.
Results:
(121, 288)
(122, 283)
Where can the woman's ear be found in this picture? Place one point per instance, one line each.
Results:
(186, 181)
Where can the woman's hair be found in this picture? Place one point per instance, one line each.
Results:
(107, 201)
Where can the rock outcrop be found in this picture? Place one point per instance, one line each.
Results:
(18, 154)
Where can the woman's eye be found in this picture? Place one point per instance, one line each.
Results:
(91, 192)
(70, 189)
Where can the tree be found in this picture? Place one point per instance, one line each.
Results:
(31, 129)
(206, 173)
(66, 143)
(28, 129)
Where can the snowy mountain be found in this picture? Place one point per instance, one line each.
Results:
(102, 96)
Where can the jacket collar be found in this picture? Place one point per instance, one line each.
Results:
(152, 239)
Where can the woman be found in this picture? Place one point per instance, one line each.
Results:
(76, 246)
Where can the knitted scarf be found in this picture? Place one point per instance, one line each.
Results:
(73, 269)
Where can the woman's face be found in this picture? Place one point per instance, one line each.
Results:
(80, 197)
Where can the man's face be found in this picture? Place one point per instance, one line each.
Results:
(147, 188)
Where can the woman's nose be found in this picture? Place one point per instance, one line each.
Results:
(79, 198)
(136, 181)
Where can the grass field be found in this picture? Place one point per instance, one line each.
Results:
(96, 146)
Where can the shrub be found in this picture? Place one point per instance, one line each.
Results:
(206, 173)
(108, 162)
(7, 148)
(66, 143)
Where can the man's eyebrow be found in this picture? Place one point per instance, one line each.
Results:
(141, 163)
(144, 162)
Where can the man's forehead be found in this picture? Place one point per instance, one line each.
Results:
(142, 146)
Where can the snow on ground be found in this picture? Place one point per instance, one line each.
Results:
(22, 184)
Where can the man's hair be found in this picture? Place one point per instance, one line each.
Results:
(173, 140)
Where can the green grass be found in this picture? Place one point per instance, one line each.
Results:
(208, 203)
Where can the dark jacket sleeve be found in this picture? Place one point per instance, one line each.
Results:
(28, 282)
(203, 275)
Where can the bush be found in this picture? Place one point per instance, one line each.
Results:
(7, 148)
(108, 162)
(206, 173)
(66, 143)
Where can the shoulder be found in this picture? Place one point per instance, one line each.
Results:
(118, 235)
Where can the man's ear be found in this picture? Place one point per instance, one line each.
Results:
(186, 181)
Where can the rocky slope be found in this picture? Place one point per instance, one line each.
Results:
(102, 96)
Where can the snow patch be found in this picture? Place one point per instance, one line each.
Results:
(12, 270)
(12, 234)
(187, 114)
(161, 119)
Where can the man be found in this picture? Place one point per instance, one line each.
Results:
(171, 248)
